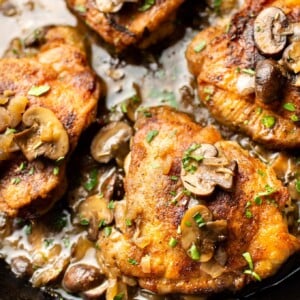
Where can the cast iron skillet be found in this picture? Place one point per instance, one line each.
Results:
(283, 286)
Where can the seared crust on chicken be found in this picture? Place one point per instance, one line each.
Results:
(60, 63)
(225, 69)
(132, 25)
(142, 249)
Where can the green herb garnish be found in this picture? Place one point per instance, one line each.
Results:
(268, 121)
(147, 5)
(173, 242)
(38, 90)
(289, 106)
(151, 135)
(92, 181)
(194, 252)
(200, 46)
(132, 261)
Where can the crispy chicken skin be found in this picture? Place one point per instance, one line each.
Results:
(61, 63)
(142, 250)
(129, 26)
(219, 66)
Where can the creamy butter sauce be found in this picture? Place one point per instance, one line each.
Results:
(48, 245)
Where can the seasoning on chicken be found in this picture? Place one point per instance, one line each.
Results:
(124, 23)
(48, 97)
(227, 230)
(248, 72)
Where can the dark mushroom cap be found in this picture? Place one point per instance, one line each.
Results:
(269, 80)
(267, 30)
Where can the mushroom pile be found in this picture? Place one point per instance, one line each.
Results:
(278, 40)
(202, 169)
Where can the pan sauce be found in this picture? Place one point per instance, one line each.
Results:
(61, 238)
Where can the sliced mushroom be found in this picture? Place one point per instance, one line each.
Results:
(291, 57)
(199, 230)
(268, 26)
(111, 141)
(269, 80)
(111, 6)
(82, 277)
(46, 135)
(208, 171)
(95, 211)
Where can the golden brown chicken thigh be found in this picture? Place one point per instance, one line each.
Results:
(180, 235)
(245, 73)
(52, 94)
(122, 24)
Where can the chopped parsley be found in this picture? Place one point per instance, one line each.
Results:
(92, 181)
(151, 135)
(188, 160)
(128, 222)
(268, 121)
(294, 118)
(16, 180)
(199, 220)
(174, 178)
(38, 90)
(194, 252)
(48, 242)
(248, 214)
(56, 170)
(107, 230)
(217, 6)
(200, 46)
(60, 222)
(132, 261)
(9, 131)
(28, 229)
(80, 8)
(289, 106)
(173, 242)
(147, 5)
(119, 296)
(84, 222)
(102, 223)
(248, 71)
(111, 204)
(23, 166)
(250, 271)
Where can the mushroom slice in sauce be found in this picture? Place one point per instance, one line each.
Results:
(291, 57)
(267, 30)
(111, 141)
(46, 135)
(82, 277)
(269, 80)
(198, 230)
(208, 171)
